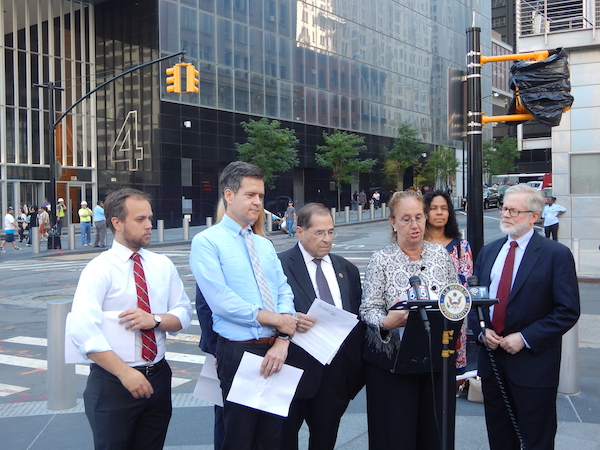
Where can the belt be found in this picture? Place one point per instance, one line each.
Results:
(260, 341)
(151, 369)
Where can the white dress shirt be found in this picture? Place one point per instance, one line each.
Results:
(329, 273)
(107, 284)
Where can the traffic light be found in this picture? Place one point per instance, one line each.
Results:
(174, 79)
(192, 81)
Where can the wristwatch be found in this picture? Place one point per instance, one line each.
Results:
(158, 320)
(283, 336)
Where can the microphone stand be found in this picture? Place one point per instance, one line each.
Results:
(447, 335)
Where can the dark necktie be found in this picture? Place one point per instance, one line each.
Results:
(148, 338)
(504, 289)
(259, 275)
(322, 285)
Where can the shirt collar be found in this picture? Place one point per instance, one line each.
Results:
(309, 258)
(231, 225)
(124, 253)
(523, 240)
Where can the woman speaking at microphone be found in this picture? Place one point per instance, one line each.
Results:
(404, 405)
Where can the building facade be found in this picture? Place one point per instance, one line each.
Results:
(314, 66)
(575, 26)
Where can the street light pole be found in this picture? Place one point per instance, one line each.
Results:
(51, 137)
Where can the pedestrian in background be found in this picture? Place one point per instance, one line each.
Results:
(551, 213)
(10, 225)
(100, 224)
(60, 213)
(290, 218)
(85, 220)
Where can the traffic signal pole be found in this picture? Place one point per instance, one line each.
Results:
(474, 142)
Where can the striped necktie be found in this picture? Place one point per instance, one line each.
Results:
(149, 349)
(259, 275)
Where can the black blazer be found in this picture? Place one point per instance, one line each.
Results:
(349, 358)
(543, 305)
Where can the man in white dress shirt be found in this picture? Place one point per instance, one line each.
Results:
(128, 404)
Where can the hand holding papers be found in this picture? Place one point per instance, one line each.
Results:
(273, 394)
(327, 335)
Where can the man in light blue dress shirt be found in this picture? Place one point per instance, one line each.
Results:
(222, 266)
(100, 224)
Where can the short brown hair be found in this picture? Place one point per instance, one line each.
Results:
(114, 206)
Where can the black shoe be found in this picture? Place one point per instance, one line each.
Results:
(96, 246)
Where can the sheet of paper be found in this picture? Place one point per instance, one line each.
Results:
(208, 387)
(273, 394)
(327, 335)
(121, 341)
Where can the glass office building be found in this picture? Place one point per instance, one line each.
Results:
(316, 66)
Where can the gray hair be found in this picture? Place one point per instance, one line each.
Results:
(535, 198)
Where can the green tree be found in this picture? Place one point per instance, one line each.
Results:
(444, 163)
(269, 147)
(499, 157)
(340, 154)
(404, 154)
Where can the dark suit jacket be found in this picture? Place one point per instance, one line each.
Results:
(543, 305)
(349, 357)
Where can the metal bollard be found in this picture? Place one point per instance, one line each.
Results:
(269, 221)
(372, 211)
(333, 212)
(35, 239)
(160, 228)
(347, 213)
(71, 237)
(209, 222)
(463, 233)
(383, 208)
(569, 364)
(61, 376)
(360, 211)
(186, 229)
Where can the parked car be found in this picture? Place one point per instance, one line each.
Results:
(491, 198)
(278, 222)
(279, 205)
(501, 190)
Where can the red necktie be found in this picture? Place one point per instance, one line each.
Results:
(504, 290)
(148, 338)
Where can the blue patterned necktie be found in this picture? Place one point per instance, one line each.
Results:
(259, 275)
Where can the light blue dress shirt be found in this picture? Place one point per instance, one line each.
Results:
(99, 213)
(220, 262)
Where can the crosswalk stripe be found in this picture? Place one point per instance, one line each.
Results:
(9, 389)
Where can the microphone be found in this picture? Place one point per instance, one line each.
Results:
(421, 293)
(478, 292)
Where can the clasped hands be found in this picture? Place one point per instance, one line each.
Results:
(512, 344)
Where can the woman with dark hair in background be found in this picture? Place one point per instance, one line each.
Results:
(442, 228)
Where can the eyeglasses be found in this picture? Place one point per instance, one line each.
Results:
(331, 234)
(512, 211)
(407, 221)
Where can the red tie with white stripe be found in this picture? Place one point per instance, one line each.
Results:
(148, 339)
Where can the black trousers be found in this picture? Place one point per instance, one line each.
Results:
(534, 409)
(404, 411)
(245, 428)
(552, 230)
(120, 421)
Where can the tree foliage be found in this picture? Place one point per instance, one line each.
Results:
(405, 152)
(340, 154)
(269, 147)
(499, 157)
(444, 164)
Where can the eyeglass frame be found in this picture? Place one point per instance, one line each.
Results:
(406, 222)
(510, 211)
(321, 233)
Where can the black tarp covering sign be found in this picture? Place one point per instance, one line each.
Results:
(543, 86)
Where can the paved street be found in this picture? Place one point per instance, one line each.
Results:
(29, 282)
